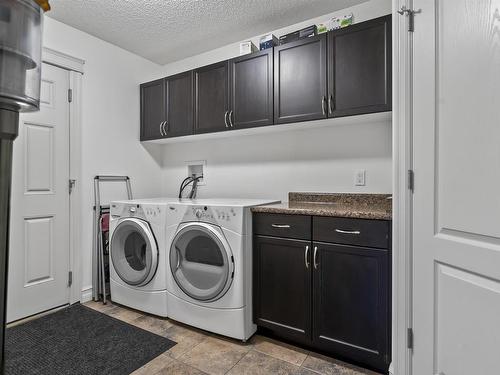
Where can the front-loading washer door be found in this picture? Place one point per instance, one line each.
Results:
(201, 262)
(134, 251)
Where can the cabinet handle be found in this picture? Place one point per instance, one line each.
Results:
(315, 263)
(330, 103)
(323, 102)
(348, 231)
(306, 255)
(164, 128)
(280, 225)
(225, 119)
(161, 128)
(230, 118)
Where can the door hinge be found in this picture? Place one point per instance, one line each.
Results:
(70, 95)
(71, 185)
(410, 13)
(70, 278)
(411, 180)
(409, 338)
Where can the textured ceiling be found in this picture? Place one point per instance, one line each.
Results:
(168, 30)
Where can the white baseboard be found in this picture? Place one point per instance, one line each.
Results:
(86, 295)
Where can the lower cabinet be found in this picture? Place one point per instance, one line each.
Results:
(351, 302)
(283, 302)
(332, 297)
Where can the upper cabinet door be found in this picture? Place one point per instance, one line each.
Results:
(359, 68)
(179, 104)
(300, 83)
(211, 98)
(251, 90)
(152, 109)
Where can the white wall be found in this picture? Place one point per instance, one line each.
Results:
(110, 127)
(266, 165)
(270, 165)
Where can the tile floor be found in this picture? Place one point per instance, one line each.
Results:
(200, 352)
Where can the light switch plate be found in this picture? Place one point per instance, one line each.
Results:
(360, 177)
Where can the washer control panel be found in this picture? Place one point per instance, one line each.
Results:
(152, 211)
(149, 212)
(211, 214)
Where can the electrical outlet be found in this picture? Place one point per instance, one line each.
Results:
(360, 177)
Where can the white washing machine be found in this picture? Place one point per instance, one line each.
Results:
(209, 272)
(138, 252)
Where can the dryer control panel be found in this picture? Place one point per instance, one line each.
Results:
(217, 214)
(228, 217)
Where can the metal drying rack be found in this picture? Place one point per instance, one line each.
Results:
(100, 249)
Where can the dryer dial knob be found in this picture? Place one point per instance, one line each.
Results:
(199, 213)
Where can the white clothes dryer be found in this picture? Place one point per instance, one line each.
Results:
(209, 271)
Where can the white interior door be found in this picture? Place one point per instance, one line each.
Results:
(456, 129)
(39, 228)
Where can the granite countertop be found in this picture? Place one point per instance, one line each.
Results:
(360, 206)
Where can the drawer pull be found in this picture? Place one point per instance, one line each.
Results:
(357, 232)
(280, 225)
(306, 255)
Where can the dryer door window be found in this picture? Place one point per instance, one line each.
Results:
(201, 262)
(134, 252)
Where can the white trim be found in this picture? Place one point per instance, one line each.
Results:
(402, 197)
(62, 60)
(75, 67)
(86, 295)
(75, 174)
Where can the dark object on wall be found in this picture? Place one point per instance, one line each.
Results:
(79, 340)
(211, 93)
(300, 82)
(306, 32)
(192, 180)
(20, 62)
(360, 68)
(325, 283)
(251, 90)
(167, 107)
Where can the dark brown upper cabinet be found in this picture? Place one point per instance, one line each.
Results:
(152, 109)
(300, 84)
(359, 68)
(211, 98)
(179, 105)
(340, 73)
(251, 91)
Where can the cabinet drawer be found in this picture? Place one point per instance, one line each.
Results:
(279, 225)
(361, 232)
